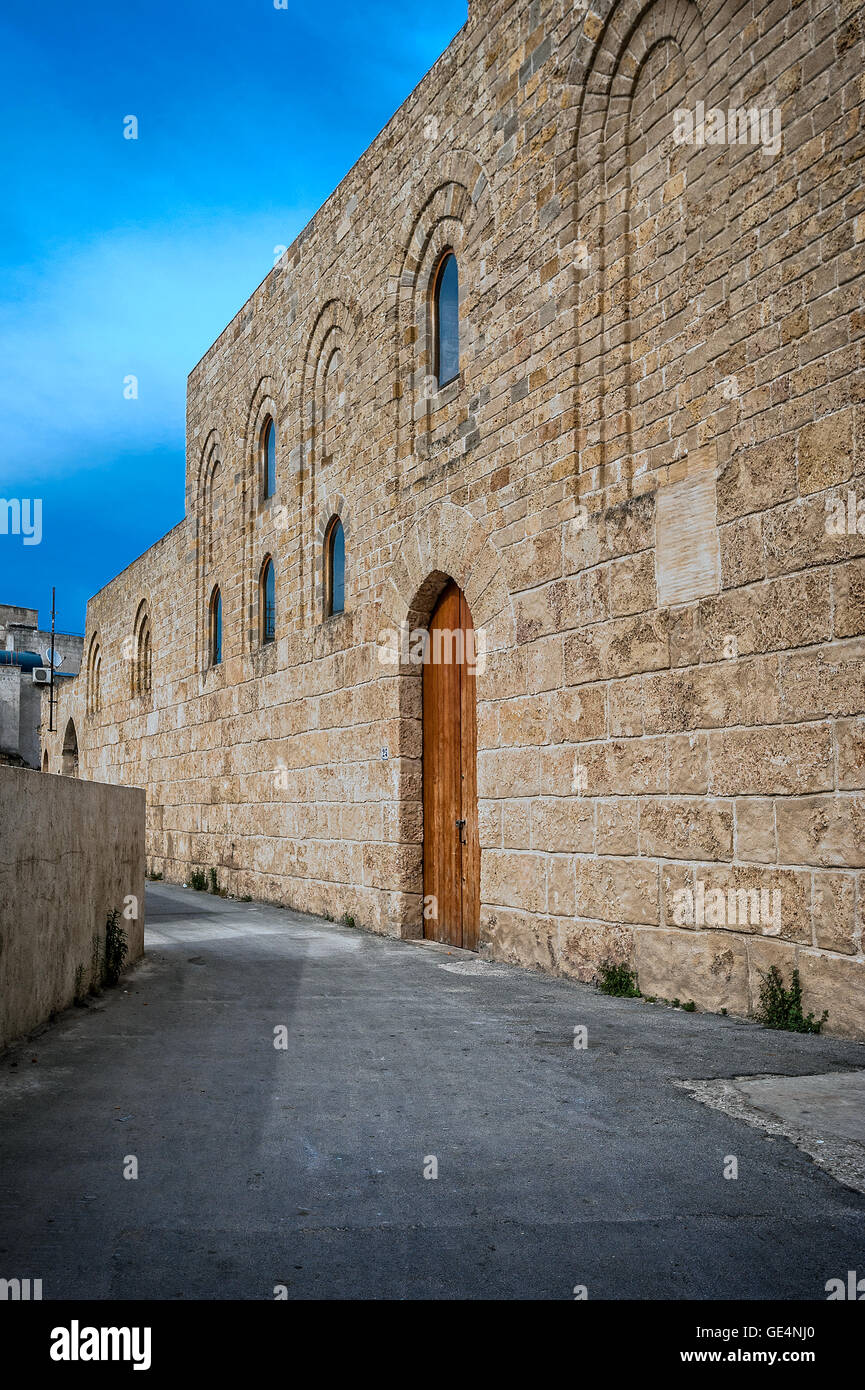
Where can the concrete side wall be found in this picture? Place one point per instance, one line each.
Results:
(70, 851)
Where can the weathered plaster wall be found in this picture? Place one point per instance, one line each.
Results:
(10, 709)
(70, 852)
(661, 390)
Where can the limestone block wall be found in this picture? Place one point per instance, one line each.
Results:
(70, 852)
(634, 478)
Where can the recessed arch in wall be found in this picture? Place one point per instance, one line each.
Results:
(454, 214)
(69, 752)
(630, 218)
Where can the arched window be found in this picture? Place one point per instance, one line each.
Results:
(334, 567)
(69, 755)
(268, 459)
(145, 669)
(446, 320)
(334, 404)
(215, 629)
(267, 602)
(212, 507)
(142, 664)
(94, 676)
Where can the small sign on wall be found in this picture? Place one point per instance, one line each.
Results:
(687, 551)
(384, 754)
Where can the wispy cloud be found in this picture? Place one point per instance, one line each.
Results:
(139, 302)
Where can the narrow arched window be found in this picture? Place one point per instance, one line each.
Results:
(334, 568)
(268, 459)
(146, 673)
(69, 755)
(141, 664)
(333, 406)
(267, 601)
(212, 507)
(215, 628)
(446, 320)
(94, 674)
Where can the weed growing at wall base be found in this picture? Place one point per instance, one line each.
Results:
(782, 1008)
(617, 979)
(116, 949)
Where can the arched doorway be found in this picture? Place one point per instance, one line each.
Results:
(69, 762)
(451, 847)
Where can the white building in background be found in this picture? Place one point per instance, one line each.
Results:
(25, 678)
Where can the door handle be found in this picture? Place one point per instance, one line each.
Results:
(460, 824)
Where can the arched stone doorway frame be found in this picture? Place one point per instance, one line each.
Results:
(445, 543)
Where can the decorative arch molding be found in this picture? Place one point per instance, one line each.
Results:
(262, 404)
(210, 464)
(448, 543)
(617, 45)
(338, 326)
(94, 675)
(455, 213)
(211, 452)
(210, 460)
(604, 77)
(460, 190)
(330, 507)
(142, 651)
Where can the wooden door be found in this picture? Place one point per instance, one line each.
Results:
(451, 849)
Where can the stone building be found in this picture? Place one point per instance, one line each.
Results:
(639, 490)
(24, 679)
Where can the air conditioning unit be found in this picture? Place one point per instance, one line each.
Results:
(41, 675)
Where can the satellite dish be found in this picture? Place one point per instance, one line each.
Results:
(53, 658)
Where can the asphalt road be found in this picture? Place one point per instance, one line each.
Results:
(303, 1166)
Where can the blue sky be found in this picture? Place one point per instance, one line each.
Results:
(128, 257)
